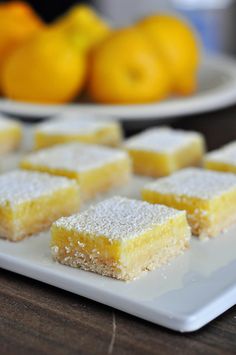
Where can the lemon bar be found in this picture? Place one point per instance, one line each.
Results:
(96, 168)
(31, 201)
(160, 151)
(10, 135)
(209, 197)
(69, 128)
(120, 237)
(223, 159)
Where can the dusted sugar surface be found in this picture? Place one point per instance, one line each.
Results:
(118, 218)
(6, 123)
(161, 140)
(20, 186)
(78, 157)
(73, 125)
(194, 182)
(226, 154)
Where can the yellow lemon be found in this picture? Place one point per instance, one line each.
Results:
(125, 69)
(83, 26)
(18, 22)
(176, 42)
(46, 69)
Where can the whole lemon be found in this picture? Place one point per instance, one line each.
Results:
(18, 22)
(176, 42)
(46, 69)
(125, 69)
(84, 27)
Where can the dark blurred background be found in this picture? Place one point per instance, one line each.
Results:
(213, 19)
(50, 9)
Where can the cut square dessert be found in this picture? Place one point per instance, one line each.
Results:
(120, 237)
(68, 129)
(223, 159)
(161, 151)
(31, 201)
(96, 168)
(209, 198)
(10, 135)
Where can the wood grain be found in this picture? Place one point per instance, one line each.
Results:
(39, 319)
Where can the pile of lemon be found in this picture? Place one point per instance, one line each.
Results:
(80, 54)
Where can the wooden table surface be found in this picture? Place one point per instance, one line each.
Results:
(39, 319)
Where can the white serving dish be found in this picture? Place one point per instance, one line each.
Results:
(217, 89)
(184, 295)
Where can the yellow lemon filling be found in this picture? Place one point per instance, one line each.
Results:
(161, 151)
(123, 256)
(10, 138)
(96, 168)
(110, 135)
(34, 202)
(207, 214)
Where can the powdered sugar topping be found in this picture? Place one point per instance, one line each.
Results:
(163, 140)
(226, 154)
(77, 157)
(6, 123)
(194, 182)
(118, 218)
(73, 125)
(20, 186)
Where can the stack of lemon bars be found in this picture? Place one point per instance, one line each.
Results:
(77, 160)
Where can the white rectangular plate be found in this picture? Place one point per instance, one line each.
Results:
(184, 295)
